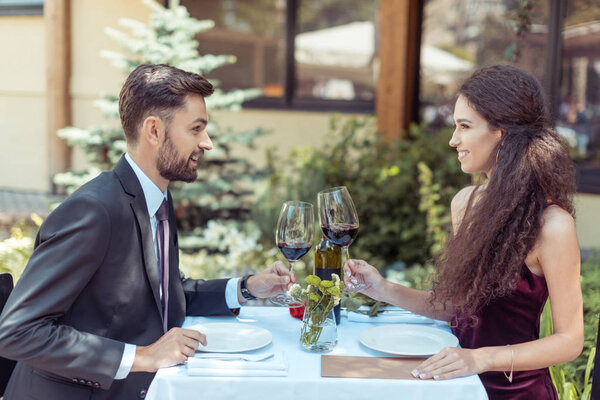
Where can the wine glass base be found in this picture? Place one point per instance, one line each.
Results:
(283, 300)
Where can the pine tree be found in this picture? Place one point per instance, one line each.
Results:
(225, 183)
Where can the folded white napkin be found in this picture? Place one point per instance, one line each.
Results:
(274, 366)
(391, 315)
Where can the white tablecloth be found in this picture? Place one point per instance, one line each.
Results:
(304, 380)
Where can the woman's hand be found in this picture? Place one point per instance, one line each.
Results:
(453, 362)
(359, 271)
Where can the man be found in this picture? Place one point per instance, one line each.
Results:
(97, 310)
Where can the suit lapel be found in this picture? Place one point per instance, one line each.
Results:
(132, 186)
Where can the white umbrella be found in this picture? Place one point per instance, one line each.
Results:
(353, 46)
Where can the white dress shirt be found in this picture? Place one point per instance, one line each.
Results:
(154, 198)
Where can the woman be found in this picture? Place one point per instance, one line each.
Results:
(514, 244)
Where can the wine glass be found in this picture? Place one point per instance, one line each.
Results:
(339, 221)
(294, 237)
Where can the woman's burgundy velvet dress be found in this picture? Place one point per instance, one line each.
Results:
(512, 319)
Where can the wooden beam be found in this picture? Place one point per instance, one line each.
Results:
(57, 20)
(399, 47)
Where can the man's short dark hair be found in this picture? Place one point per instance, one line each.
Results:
(156, 90)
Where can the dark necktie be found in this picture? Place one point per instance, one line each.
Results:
(162, 240)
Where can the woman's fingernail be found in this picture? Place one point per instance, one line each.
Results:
(354, 281)
(422, 376)
(348, 273)
(415, 373)
(351, 262)
(436, 377)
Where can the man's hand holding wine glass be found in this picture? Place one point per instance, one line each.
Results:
(277, 278)
(294, 237)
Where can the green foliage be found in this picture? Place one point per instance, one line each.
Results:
(521, 24)
(16, 250)
(417, 277)
(590, 288)
(458, 51)
(573, 380)
(437, 217)
(383, 179)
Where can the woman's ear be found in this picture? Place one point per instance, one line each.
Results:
(500, 135)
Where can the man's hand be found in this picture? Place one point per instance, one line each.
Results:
(271, 281)
(173, 348)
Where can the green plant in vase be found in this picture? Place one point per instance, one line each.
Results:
(319, 332)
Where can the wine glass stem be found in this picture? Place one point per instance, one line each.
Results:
(346, 253)
(291, 265)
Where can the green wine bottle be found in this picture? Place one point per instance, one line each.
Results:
(328, 260)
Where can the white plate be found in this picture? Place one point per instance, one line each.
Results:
(407, 340)
(232, 337)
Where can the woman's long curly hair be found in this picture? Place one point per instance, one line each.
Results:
(484, 259)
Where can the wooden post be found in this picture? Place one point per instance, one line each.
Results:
(57, 19)
(399, 47)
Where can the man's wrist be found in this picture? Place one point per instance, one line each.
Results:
(142, 363)
(244, 288)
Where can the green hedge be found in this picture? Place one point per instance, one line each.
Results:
(383, 179)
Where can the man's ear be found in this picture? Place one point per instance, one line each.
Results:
(153, 130)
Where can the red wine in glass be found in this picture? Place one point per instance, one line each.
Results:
(339, 220)
(340, 234)
(293, 251)
(294, 234)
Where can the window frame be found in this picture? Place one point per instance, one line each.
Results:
(288, 101)
(588, 179)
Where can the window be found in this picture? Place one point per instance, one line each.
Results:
(578, 117)
(310, 54)
(335, 50)
(460, 36)
(21, 7)
(562, 50)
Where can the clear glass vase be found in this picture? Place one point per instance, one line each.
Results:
(319, 331)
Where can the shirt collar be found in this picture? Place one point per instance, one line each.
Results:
(154, 197)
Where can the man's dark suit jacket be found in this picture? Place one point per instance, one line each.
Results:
(90, 286)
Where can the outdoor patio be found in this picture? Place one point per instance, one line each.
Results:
(311, 94)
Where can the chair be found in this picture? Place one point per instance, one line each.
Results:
(6, 366)
(596, 376)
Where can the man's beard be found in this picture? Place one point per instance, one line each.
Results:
(172, 166)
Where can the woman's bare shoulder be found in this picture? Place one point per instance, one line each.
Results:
(459, 205)
(556, 222)
(461, 199)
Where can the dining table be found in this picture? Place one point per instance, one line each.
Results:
(303, 378)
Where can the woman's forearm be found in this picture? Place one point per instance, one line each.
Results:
(417, 301)
(555, 349)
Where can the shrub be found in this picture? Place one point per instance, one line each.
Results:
(382, 178)
(16, 250)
